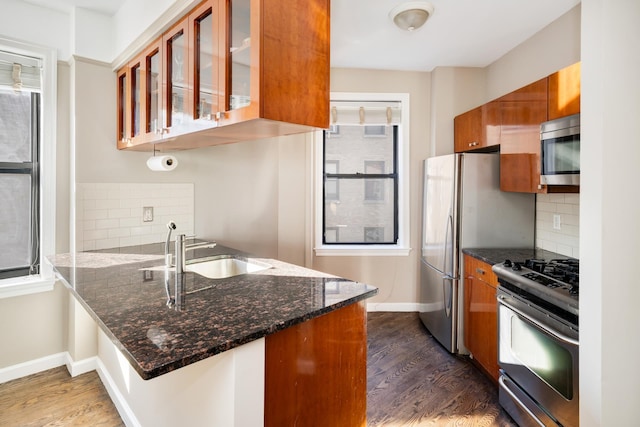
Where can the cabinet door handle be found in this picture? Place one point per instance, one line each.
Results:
(480, 271)
(473, 144)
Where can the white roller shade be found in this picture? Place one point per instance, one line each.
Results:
(20, 72)
(365, 113)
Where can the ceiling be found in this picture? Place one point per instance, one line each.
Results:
(469, 33)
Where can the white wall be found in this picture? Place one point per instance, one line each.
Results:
(610, 208)
(551, 49)
(397, 276)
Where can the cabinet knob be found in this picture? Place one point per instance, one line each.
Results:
(473, 144)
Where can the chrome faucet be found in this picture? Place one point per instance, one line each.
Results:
(182, 247)
(167, 255)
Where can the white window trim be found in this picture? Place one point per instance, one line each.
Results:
(45, 280)
(402, 247)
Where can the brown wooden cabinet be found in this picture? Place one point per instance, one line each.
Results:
(512, 122)
(235, 70)
(564, 92)
(316, 371)
(521, 113)
(477, 129)
(481, 314)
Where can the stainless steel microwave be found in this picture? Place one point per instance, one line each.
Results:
(560, 151)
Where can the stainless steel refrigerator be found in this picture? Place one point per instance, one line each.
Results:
(463, 207)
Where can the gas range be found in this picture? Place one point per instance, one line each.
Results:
(552, 286)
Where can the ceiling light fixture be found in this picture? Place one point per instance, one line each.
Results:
(411, 15)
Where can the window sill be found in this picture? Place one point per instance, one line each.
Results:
(348, 250)
(26, 285)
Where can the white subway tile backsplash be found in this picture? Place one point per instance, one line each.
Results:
(565, 241)
(110, 214)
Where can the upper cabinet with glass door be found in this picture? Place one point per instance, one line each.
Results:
(232, 70)
(140, 118)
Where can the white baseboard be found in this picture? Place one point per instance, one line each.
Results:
(82, 366)
(48, 362)
(393, 306)
(127, 415)
(32, 367)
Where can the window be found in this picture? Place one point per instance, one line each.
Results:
(19, 189)
(362, 186)
(27, 174)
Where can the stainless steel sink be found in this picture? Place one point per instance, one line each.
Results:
(226, 266)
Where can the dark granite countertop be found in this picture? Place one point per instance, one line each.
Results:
(124, 291)
(495, 255)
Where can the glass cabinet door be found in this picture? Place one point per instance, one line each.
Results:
(239, 72)
(122, 106)
(136, 89)
(177, 62)
(203, 24)
(153, 95)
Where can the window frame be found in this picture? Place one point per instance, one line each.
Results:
(401, 247)
(44, 281)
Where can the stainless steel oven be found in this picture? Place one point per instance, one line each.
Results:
(538, 354)
(538, 347)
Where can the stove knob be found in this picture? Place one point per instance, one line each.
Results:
(516, 266)
(507, 263)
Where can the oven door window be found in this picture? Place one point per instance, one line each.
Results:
(561, 155)
(542, 355)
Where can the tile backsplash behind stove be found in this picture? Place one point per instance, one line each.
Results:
(558, 223)
(111, 215)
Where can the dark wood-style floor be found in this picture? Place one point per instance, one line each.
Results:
(411, 381)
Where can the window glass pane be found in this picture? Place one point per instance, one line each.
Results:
(364, 211)
(15, 217)
(353, 148)
(15, 126)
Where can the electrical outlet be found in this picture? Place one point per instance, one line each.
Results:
(147, 214)
(556, 222)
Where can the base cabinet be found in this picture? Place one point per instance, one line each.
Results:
(316, 372)
(481, 315)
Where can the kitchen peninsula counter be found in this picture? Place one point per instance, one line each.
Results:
(124, 290)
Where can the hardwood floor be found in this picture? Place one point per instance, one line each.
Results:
(411, 381)
(53, 398)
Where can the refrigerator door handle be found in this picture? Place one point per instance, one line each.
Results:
(448, 299)
(446, 246)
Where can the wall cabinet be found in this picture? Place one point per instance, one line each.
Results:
(564, 92)
(477, 129)
(481, 315)
(512, 123)
(231, 70)
(522, 111)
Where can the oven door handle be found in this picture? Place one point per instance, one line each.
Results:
(515, 398)
(558, 335)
